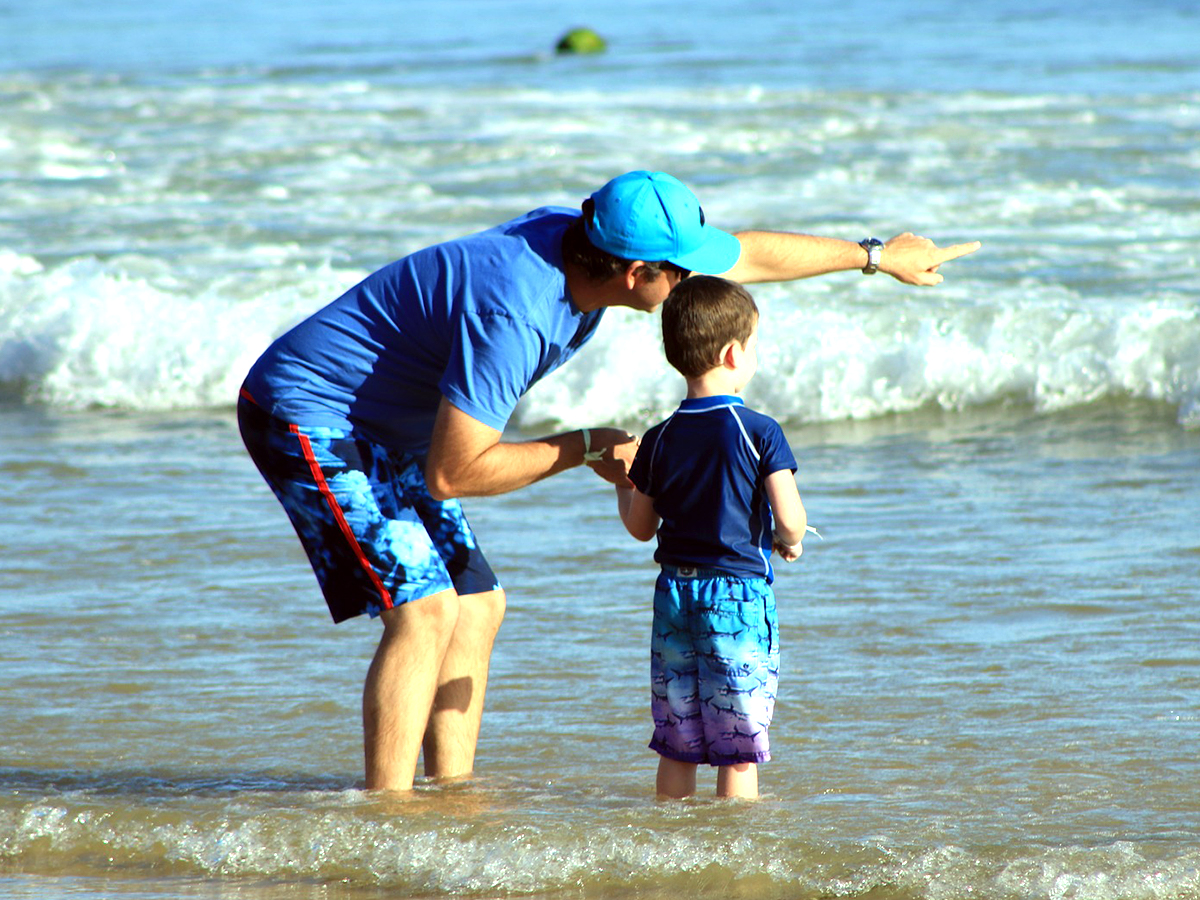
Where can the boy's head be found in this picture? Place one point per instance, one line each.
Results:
(702, 315)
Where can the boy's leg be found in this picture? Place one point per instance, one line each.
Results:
(453, 728)
(738, 660)
(738, 780)
(676, 779)
(674, 702)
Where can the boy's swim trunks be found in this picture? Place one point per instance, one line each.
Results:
(375, 537)
(714, 661)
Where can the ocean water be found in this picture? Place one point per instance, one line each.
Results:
(990, 677)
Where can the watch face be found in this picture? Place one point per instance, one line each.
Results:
(874, 248)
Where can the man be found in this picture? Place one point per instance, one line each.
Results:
(370, 418)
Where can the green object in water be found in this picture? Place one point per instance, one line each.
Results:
(581, 40)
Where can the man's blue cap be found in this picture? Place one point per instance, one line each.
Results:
(652, 216)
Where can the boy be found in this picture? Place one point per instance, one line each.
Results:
(712, 475)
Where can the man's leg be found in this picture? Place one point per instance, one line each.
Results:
(462, 683)
(401, 685)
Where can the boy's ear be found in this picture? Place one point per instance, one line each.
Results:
(730, 354)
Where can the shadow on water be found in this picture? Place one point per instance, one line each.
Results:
(146, 784)
(133, 789)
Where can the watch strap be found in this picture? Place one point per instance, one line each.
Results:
(874, 248)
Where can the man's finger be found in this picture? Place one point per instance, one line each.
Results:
(948, 253)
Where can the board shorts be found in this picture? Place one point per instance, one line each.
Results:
(714, 667)
(374, 535)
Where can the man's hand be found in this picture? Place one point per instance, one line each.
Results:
(467, 458)
(915, 260)
(618, 447)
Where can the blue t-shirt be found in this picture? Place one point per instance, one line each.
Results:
(478, 320)
(704, 468)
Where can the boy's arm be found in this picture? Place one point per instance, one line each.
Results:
(791, 521)
(637, 512)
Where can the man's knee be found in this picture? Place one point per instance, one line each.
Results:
(435, 617)
(497, 603)
(484, 612)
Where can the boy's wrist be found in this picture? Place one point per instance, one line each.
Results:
(786, 544)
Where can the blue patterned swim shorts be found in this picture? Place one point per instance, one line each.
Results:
(375, 537)
(714, 666)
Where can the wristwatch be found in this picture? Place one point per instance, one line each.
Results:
(874, 248)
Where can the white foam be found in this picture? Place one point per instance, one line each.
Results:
(128, 333)
(179, 226)
(90, 333)
(342, 838)
(831, 358)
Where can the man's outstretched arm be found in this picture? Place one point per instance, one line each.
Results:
(783, 256)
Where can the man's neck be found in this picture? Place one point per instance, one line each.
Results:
(587, 295)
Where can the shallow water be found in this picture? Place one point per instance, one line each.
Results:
(989, 668)
(989, 680)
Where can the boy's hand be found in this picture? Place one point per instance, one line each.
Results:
(611, 453)
(788, 552)
(791, 552)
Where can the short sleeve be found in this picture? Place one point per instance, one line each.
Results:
(774, 451)
(639, 471)
(493, 360)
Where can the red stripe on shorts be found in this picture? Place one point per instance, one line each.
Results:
(339, 516)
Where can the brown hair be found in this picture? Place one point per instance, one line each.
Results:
(598, 265)
(703, 314)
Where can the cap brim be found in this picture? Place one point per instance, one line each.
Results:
(718, 254)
